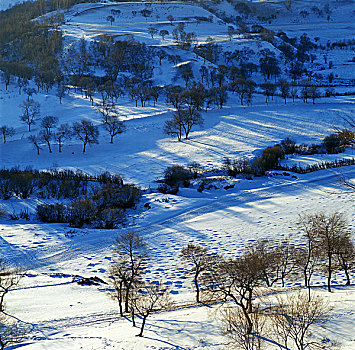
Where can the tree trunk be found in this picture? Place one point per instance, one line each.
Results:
(197, 288)
(347, 276)
(84, 147)
(330, 270)
(142, 327)
(133, 318)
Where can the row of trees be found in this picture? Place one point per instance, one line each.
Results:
(237, 281)
(329, 248)
(85, 130)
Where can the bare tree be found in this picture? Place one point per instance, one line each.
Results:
(284, 88)
(171, 19)
(86, 132)
(242, 87)
(7, 131)
(235, 327)
(287, 260)
(48, 123)
(236, 280)
(184, 119)
(11, 332)
(152, 31)
(63, 132)
(150, 298)
(295, 318)
(30, 111)
(309, 257)
(200, 259)
(35, 140)
(61, 91)
(163, 33)
(346, 256)
(9, 278)
(329, 231)
(46, 137)
(128, 265)
(110, 19)
(110, 119)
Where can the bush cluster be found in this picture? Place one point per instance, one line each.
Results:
(104, 208)
(58, 184)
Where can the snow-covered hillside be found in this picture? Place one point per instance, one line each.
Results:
(6, 4)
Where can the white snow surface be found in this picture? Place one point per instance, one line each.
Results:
(64, 315)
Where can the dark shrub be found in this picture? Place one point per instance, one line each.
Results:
(271, 156)
(237, 166)
(288, 145)
(81, 212)
(175, 175)
(23, 184)
(128, 195)
(109, 218)
(112, 195)
(165, 189)
(5, 189)
(52, 212)
(333, 143)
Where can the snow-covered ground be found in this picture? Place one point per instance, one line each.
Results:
(65, 315)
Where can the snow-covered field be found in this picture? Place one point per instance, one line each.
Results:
(65, 315)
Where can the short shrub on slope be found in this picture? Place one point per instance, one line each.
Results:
(177, 175)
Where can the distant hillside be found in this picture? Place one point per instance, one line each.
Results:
(6, 4)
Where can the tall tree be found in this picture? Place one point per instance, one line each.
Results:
(63, 132)
(110, 119)
(199, 258)
(30, 111)
(86, 132)
(7, 131)
(128, 265)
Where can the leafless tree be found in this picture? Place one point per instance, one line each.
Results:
(235, 327)
(30, 111)
(268, 259)
(200, 259)
(48, 123)
(7, 131)
(328, 231)
(46, 137)
(184, 119)
(294, 318)
(236, 280)
(150, 298)
(308, 258)
(287, 253)
(63, 132)
(346, 256)
(86, 132)
(284, 88)
(152, 31)
(127, 268)
(35, 140)
(11, 332)
(163, 33)
(110, 119)
(9, 278)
